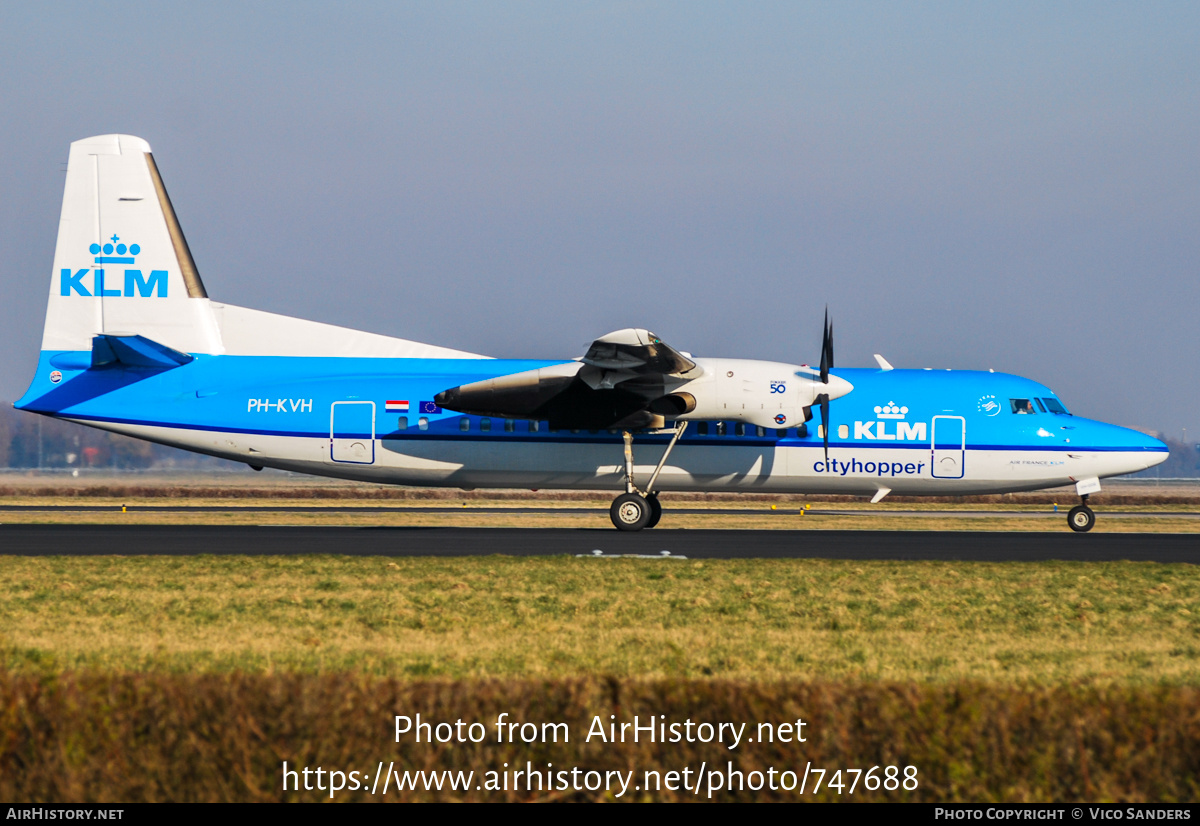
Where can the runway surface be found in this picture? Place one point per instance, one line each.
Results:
(1031, 546)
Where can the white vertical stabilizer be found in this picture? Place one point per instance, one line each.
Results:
(121, 263)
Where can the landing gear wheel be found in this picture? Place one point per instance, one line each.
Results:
(1081, 518)
(630, 512)
(655, 510)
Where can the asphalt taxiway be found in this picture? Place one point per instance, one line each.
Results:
(989, 546)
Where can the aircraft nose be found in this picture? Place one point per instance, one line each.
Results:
(1138, 450)
(838, 387)
(1156, 450)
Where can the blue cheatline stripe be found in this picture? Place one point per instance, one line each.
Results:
(591, 438)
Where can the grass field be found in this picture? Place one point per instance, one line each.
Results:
(756, 620)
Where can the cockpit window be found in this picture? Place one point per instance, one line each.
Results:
(1041, 407)
(1022, 406)
(1055, 406)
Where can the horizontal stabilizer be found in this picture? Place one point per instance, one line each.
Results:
(128, 350)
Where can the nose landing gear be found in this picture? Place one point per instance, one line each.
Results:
(636, 508)
(1081, 518)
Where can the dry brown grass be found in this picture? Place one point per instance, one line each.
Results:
(276, 487)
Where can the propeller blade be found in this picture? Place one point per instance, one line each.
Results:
(829, 339)
(826, 349)
(824, 400)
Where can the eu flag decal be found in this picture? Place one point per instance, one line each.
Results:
(429, 408)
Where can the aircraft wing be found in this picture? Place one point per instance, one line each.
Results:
(636, 351)
(615, 384)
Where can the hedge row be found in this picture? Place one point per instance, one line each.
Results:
(97, 737)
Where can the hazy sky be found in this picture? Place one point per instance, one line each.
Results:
(1009, 185)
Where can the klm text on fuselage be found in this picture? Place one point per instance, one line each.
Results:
(905, 432)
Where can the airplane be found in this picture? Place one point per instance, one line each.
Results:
(133, 344)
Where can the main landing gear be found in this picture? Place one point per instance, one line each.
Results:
(1081, 518)
(637, 508)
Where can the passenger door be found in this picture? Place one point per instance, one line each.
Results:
(949, 445)
(352, 432)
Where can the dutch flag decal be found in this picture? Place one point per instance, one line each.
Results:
(397, 406)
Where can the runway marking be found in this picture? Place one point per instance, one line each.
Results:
(599, 554)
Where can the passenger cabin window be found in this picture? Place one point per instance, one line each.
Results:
(760, 431)
(423, 423)
(702, 428)
(510, 426)
(1055, 406)
(464, 424)
(485, 425)
(781, 432)
(533, 427)
(1023, 406)
(720, 428)
(740, 428)
(403, 423)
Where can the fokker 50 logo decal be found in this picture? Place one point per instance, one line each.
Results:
(136, 285)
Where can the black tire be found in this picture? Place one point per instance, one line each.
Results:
(629, 512)
(655, 510)
(1081, 518)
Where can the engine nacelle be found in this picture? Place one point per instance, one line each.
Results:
(674, 406)
(763, 393)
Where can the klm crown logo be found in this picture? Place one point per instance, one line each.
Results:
(890, 411)
(113, 252)
(119, 249)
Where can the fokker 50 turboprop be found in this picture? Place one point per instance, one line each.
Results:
(133, 344)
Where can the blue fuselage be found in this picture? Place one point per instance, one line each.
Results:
(914, 431)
